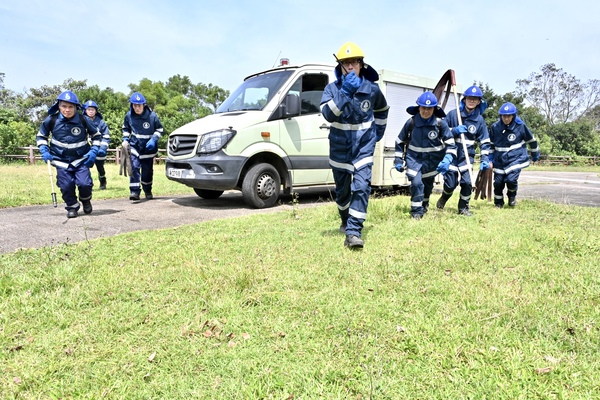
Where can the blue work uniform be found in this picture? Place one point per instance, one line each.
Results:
(138, 130)
(358, 122)
(68, 141)
(426, 146)
(99, 123)
(509, 155)
(477, 133)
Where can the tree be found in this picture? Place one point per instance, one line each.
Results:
(593, 115)
(530, 115)
(558, 95)
(38, 100)
(112, 105)
(177, 102)
(577, 138)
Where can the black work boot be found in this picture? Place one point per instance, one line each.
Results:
(343, 227)
(87, 206)
(71, 213)
(465, 212)
(512, 201)
(354, 242)
(441, 203)
(102, 183)
(134, 196)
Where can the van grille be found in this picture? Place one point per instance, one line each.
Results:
(181, 145)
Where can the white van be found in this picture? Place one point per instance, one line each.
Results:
(269, 136)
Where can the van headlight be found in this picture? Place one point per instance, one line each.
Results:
(214, 141)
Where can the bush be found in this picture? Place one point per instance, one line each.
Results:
(575, 138)
(14, 135)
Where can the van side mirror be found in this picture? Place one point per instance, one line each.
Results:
(292, 105)
(289, 107)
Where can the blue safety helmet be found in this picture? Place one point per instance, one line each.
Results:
(507, 109)
(137, 98)
(92, 103)
(473, 91)
(67, 96)
(427, 99)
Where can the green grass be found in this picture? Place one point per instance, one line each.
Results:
(570, 168)
(23, 185)
(503, 305)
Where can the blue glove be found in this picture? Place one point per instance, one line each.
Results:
(45, 151)
(484, 166)
(90, 157)
(151, 144)
(457, 130)
(535, 156)
(444, 165)
(399, 165)
(351, 84)
(102, 152)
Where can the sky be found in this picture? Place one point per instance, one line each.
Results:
(114, 43)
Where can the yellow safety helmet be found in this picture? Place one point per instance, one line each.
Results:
(349, 50)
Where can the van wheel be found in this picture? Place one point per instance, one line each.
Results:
(208, 194)
(261, 186)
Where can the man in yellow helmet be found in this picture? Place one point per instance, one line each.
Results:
(358, 112)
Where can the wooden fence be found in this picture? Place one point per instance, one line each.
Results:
(32, 154)
(563, 160)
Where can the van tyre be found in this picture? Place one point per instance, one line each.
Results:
(261, 186)
(208, 194)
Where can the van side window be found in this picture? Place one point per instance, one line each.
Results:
(313, 86)
(310, 88)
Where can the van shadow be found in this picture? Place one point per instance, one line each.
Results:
(235, 200)
(228, 201)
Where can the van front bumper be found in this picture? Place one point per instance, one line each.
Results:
(217, 171)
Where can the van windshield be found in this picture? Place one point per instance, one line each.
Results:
(255, 92)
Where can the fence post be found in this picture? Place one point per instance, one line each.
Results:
(31, 159)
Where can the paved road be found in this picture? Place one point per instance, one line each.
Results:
(38, 226)
(576, 188)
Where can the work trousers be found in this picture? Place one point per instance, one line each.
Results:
(141, 175)
(451, 181)
(511, 181)
(74, 177)
(100, 167)
(352, 191)
(420, 189)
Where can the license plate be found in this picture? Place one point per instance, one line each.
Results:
(175, 173)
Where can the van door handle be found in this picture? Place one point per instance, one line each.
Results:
(324, 126)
